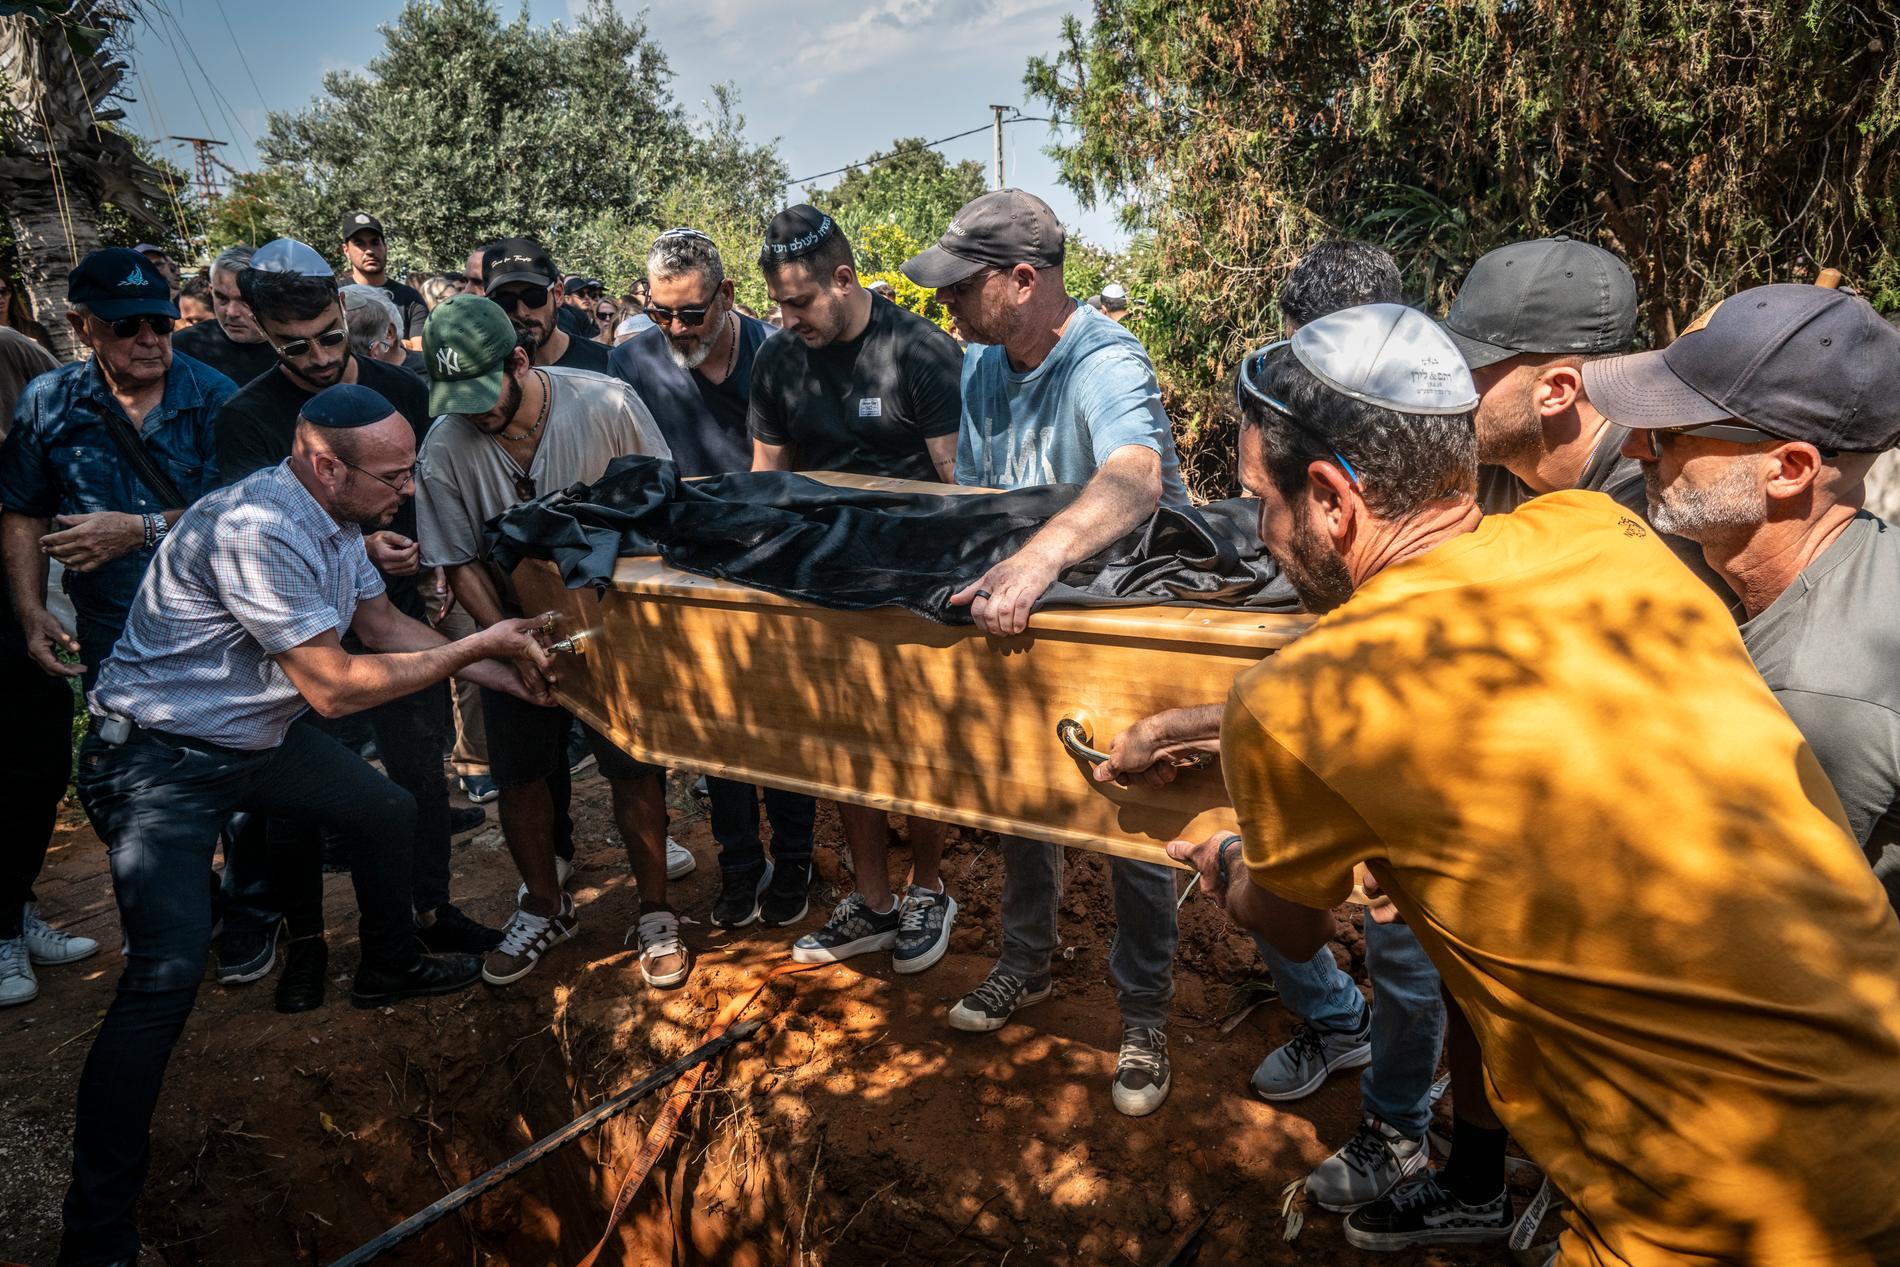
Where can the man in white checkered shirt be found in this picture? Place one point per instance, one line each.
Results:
(200, 711)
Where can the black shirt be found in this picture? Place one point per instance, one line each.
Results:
(585, 354)
(866, 405)
(256, 427)
(239, 362)
(409, 302)
(704, 423)
(575, 322)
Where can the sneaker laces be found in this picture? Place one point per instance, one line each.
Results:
(1143, 1048)
(1368, 1149)
(37, 927)
(12, 957)
(659, 933)
(999, 991)
(1307, 1044)
(1420, 1190)
(522, 931)
(913, 913)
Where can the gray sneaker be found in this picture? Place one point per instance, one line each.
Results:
(923, 929)
(853, 929)
(1141, 1071)
(1298, 1066)
(1373, 1162)
(995, 1000)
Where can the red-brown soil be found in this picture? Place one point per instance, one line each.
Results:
(856, 1129)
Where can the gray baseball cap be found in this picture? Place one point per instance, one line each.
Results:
(1549, 295)
(1799, 362)
(1001, 229)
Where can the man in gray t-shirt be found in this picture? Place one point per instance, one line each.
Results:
(1055, 392)
(1756, 434)
(511, 431)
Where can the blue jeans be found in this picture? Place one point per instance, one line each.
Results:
(735, 825)
(157, 802)
(1141, 960)
(1408, 1017)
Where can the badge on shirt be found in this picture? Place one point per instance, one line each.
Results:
(871, 407)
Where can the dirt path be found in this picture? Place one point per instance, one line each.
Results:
(857, 1128)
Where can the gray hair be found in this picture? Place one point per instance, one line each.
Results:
(233, 260)
(371, 314)
(679, 251)
(437, 288)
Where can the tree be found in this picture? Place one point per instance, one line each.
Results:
(911, 187)
(62, 161)
(1713, 143)
(465, 130)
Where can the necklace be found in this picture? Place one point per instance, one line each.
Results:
(732, 353)
(547, 392)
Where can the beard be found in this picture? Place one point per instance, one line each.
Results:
(690, 360)
(1681, 509)
(1318, 575)
(502, 416)
(1509, 432)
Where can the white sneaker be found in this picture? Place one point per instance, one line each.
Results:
(47, 945)
(664, 960)
(1372, 1163)
(679, 862)
(17, 982)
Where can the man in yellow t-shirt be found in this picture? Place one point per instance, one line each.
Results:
(1547, 741)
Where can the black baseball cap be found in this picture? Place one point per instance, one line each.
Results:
(574, 283)
(357, 221)
(1001, 229)
(118, 282)
(514, 260)
(1800, 362)
(1549, 295)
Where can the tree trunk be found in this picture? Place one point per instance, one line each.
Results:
(45, 251)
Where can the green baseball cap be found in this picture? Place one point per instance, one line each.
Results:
(466, 341)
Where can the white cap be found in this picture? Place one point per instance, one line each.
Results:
(288, 255)
(1388, 355)
(1115, 293)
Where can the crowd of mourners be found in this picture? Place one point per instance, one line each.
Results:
(1598, 713)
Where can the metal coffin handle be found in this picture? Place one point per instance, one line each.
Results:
(574, 644)
(1074, 734)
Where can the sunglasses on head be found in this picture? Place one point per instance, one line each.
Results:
(1247, 384)
(128, 327)
(512, 297)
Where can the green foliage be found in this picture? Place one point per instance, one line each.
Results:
(466, 129)
(911, 188)
(250, 212)
(1714, 143)
(908, 294)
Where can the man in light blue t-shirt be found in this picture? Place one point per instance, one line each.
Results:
(1054, 392)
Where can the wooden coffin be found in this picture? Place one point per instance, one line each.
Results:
(888, 709)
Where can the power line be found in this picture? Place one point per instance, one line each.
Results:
(875, 159)
(218, 98)
(242, 58)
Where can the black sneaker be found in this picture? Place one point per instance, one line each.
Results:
(429, 974)
(923, 929)
(1419, 1212)
(455, 933)
(992, 1003)
(853, 929)
(739, 891)
(245, 956)
(306, 968)
(465, 818)
(1141, 1071)
(788, 897)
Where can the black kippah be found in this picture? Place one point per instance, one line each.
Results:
(344, 406)
(797, 231)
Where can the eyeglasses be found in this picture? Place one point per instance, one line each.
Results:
(297, 347)
(511, 297)
(128, 327)
(1734, 429)
(695, 316)
(1246, 383)
(404, 478)
(970, 283)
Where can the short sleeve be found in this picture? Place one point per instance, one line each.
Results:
(933, 378)
(1121, 404)
(766, 413)
(449, 538)
(369, 582)
(1302, 839)
(26, 486)
(268, 584)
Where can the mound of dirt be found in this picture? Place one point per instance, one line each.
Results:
(855, 1129)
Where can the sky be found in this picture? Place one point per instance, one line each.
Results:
(832, 81)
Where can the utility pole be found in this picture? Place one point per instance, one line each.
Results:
(205, 160)
(996, 141)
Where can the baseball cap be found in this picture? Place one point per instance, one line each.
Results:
(1548, 295)
(1114, 295)
(574, 283)
(795, 231)
(466, 342)
(1800, 362)
(1387, 355)
(517, 260)
(357, 221)
(1000, 229)
(116, 282)
(288, 255)
(149, 248)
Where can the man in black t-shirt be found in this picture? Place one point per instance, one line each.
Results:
(850, 384)
(232, 344)
(363, 246)
(521, 279)
(303, 320)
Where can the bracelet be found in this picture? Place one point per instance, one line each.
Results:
(1220, 860)
(160, 526)
(146, 522)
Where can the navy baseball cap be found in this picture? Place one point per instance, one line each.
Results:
(1799, 362)
(117, 282)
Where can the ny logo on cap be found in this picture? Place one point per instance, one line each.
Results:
(135, 278)
(361, 218)
(447, 363)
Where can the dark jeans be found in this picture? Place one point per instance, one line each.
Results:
(735, 825)
(528, 743)
(96, 640)
(36, 745)
(157, 802)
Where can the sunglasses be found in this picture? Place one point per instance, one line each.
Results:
(512, 297)
(128, 327)
(970, 283)
(695, 316)
(1735, 429)
(1247, 384)
(328, 339)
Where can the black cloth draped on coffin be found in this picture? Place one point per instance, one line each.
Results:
(854, 548)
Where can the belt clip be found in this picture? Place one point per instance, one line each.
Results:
(112, 728)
